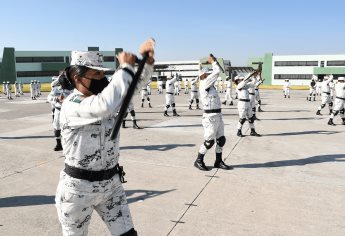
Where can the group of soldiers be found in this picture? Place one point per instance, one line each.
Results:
(7, 89)
(35, 89)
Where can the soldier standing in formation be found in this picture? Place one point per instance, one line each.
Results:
(16, 89)
(32, 90)
(286, 88)
(9, 90)
(56, 97)
(131, 111)
(194, 93)
(145, 94)
(186, 85)
(339, 101)
(160, 86)
(212, 120)
(228, 92)
(170, 97)
(244, 106)
(326, 94)
(4, 88)
(21, 88)
(312, 88)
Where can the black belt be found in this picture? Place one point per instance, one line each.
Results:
(194, 91)
(244, 100)
(256, 89)
(213, 111)
(144, 89)
(252, 93)
(169, 93)
(58, 108)
(92, 175)
(340, 98)
(327, 93)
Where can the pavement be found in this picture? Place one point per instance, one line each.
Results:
(288, 182)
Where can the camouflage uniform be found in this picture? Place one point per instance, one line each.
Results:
(86, 124)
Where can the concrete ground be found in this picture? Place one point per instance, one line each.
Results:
(290, 181)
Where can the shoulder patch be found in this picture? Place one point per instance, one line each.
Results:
(77, 98)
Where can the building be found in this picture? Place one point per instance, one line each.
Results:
(25, 66)
(298, 68)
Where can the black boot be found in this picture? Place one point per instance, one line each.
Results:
(255, 118)
(219, 163)
(284, 96)
(175, 113)
(260, 110)
(197, 107)
(231, 103)
(58, 146)
(142, 105)
(330, 111)
(239, 133)
(166, 113)
(310, 99)
(314, 99)
(150, 105)
(123, 124)
(318, 113)
(330, 122)
(190, 107)
(224, 103)
(135, 126)
(253, 133)
(343, 119)
(199, 162)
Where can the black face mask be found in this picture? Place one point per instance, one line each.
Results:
(97, 86)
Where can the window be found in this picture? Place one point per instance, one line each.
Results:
(335, 63)
(67, 59)
(322, 64)
(292, 76)
(109, 72)
(37, 73)
(108, 59)
(39, 59)
(296, 63)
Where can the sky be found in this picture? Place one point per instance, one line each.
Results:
(183, 30)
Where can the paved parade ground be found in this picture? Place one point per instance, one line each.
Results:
(290, 181)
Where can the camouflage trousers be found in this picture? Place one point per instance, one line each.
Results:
(75, 209)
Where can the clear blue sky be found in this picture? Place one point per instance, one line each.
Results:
(184, 30)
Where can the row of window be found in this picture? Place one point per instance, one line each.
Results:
(292, 77)
(40, 59)
(308, 63)
(296, 63)
(37, 73)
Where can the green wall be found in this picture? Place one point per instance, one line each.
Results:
(8, 66)
(329, 70)
(266, 66)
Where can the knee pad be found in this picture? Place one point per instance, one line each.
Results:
(167, 106)
(251, 120)
(259, 102)
(242, 121)
(330, 104)
(173, 105)
(221, 141)
(208, 144)
(335, 113)
(197, 100)
(57, 133)
(191, 101)
(342, 111)
(132, 113)
(254, 109)
(323, 105)
(148, 99)
(142, 100)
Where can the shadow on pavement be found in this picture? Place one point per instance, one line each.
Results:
(297, 118)
(289, 111)
(164, 147)
(304, 133)
(144, 194)
(298, 162)
(27, 137)
(32, 200)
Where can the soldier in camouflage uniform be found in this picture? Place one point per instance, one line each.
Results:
(92, 177)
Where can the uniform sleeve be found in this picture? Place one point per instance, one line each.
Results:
(51, 97)
(212, 78)
(109, 100)
(241, 85)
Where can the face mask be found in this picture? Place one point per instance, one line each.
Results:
(97, 86)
